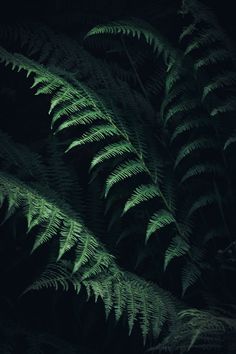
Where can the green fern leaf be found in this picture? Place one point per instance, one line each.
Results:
(82, 118)
(188, 125)
(190, 275)
(200, 169)
(53, 223)
(185, 106)
(96, 133)
(110, 151)
(141, 194)
(125, 170)
(137, 28)
(84, 250)
(178, 247)
(69, 235)
(160, 219)
(196, 145)
(202, 202)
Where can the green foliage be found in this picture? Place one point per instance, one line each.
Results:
(156, 169)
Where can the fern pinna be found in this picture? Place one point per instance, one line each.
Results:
(160, 168)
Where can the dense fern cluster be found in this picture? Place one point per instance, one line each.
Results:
(159, 149)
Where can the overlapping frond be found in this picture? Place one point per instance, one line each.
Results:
(120, 291)
(138, 28)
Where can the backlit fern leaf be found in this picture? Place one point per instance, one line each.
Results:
(96, 133)
(111, 151)
(141, 194)
(84, 250)
(159, 220)
(53, 223)
(125, 170)
(120, 291)
(137, 28)
(69, 234)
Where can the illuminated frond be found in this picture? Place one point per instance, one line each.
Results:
(159, 220)
(141, 194)
(125, 170)
(110, 151)
(137, 28)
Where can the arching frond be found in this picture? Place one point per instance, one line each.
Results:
(190, 274)
(159, 220)
(125, 170)
(177, 248)
(110, 151)
(196, 145)
(200, 169)
(141, 194)
(202, 202)
(137, 28)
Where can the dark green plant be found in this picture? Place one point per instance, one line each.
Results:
(159, 172)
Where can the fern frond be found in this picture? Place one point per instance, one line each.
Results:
(178, 247)
(69, 234)
(82, 118)
(181, 108)
(96, 133)
(56, 276)
(220, 81)
(202, 202)
(120, 291)
(188, 125)
(18, 155)
(141, 194)
(204, 38)
(227, 107)
(200, 169)
(187, 31)
(125, 170)
(111, 151)
(46, 210)
(84, 250)
(137, 28)
(229, 142)
(213, 57)
(160, 219)
(198, 330)
(190, 274)
(53, 224)
(195, 145)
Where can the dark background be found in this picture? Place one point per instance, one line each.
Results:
(46, 311)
